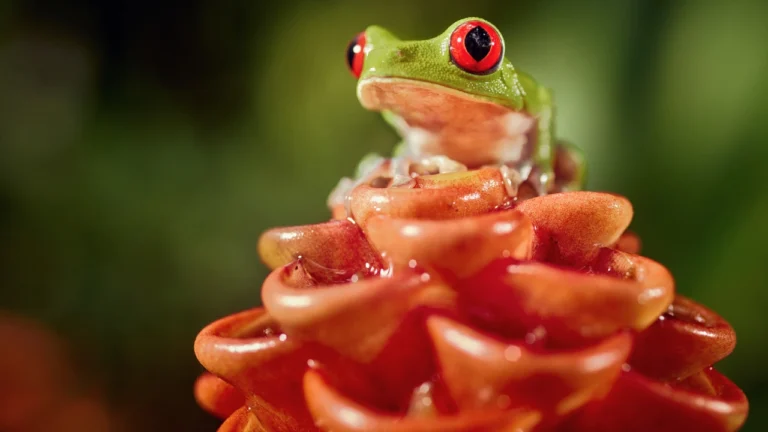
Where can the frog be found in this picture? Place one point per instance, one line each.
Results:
(456, 96)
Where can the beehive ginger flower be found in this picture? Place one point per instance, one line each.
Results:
(445, 305)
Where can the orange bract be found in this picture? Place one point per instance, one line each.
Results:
(445, 305)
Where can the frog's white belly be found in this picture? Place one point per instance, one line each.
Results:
(436, 120)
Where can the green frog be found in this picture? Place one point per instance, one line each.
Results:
(456, 99)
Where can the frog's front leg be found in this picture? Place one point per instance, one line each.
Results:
(340, 195)
(565, 170)
(559, 165)
(397, 167)
(367, 164)
(539, 104)
(401, 150)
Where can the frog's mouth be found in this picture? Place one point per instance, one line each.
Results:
(438, 120)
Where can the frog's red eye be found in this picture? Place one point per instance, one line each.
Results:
(356, 54)
(476, 47)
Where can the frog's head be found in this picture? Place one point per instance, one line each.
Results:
(451, 81)
(467, 58)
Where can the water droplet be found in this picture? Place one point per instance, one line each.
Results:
(410, 230)
(485, 394)
(422, 404)
(503, 228)
(535, 335)
(513, 353)
(650, 295)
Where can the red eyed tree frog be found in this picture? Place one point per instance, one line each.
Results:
(457, 100)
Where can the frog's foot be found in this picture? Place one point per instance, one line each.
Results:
(397, 171)
(569, 167)
(513, 179)
(566, 173)
(369, 169)
(407, 168)
(339, 195)
(523, 180)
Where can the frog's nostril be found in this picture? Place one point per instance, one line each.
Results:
(397, 56)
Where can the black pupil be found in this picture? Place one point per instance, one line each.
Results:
(478, 43)
(351, 51)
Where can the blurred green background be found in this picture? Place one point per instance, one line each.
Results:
(144, 146)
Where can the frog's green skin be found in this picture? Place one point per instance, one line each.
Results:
(504, 117)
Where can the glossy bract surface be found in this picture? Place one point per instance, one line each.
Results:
(444, 304)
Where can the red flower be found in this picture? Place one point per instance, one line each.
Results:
(444, 305)
(38, 389)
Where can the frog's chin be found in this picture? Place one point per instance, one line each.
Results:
(408, 94)
(435, 119)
